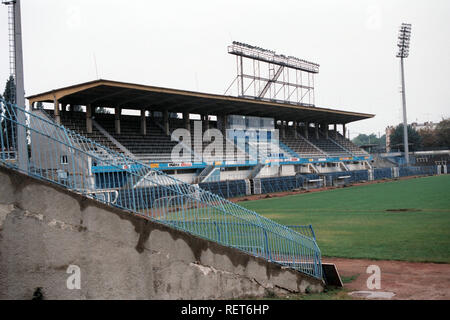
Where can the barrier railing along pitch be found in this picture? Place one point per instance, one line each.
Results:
(64, 157)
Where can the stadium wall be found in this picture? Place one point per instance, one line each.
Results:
(237, 188)
(268, 171)
(226, 189)
(46, 232)
(188, 178)
(233, 173)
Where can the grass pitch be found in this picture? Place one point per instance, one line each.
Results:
(400, 220)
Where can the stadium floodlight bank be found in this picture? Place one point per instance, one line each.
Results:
(265, 75)
(257, 53)
(404, 38)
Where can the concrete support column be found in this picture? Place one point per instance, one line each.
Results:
(187, 122)
(326, 130)
(143, 122)
(295, 129)
(89, 118)
(306, 129)
(56, 112)
(343, 129)
(205, 122)
(150, 115)
(335, 130)
(63, 109)
(166, 122)
(316, 127)
(224, 125)
(117, 114)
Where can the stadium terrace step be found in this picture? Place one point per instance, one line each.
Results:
(301, 146)
(157, 146)
(334, 135)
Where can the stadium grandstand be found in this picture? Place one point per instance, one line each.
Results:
(261, 139)
(175, 156)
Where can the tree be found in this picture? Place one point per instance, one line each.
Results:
(443, 133)
(438, 137)
(364, 139)
(8, 126)
(361, 139)
(414, 139)
(429, 138)
(10, 90)
(383, 140)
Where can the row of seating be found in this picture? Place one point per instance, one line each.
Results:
(327, 145)
(335, 145)
(76, 121)
(230, 151)
(330, 148)
(300, 145)
(155, 145)
(354, 149)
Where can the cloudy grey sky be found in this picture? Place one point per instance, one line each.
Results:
(182, 44)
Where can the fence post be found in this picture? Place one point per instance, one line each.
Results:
(312, 231)
(267, 250)
(218, 230)
(2, 145)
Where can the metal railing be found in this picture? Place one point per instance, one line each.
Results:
(305, 230)
(66, 158)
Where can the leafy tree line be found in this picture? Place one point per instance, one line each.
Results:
(366, 139)
(437, 138)
(10, 90)
(423, 139)
(414, 139)
(7, 128)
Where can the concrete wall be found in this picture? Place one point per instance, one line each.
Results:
(269, 171)
(185, 177)
(331, 167)
(287, 170)
(44, 229)
(234, 174)
(355, 166)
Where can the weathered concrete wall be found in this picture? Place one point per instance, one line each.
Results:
(45, 228)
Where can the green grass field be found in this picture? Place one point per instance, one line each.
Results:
(370, 221)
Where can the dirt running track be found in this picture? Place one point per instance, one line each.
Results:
(408, 280)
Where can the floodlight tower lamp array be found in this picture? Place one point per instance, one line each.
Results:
(258, 53)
